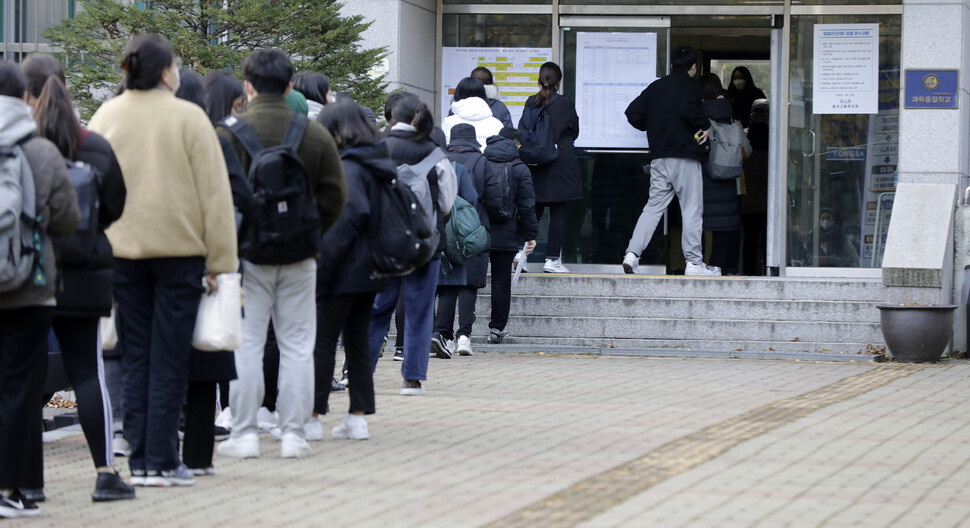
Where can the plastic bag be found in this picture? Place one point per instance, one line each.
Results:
(109, 333)
(218, 325)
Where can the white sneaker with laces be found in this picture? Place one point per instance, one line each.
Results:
(554, 266)
(465, 346)
(631, 263)
(246, 446)
(224, 419)
(313, 430)
(266, 420)
(351, 427)
(702, 270)
(294, 446)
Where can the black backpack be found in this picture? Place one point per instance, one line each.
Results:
(538, 144)
(286, 224)
(500, 186)
(78, 248)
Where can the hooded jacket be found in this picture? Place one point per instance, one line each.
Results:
(56, 199)
(475, 112)
(499, 110)
(722, 208)
(346, 264)
(466, 151)
(559, 181)
(670, 111)
(512, 234)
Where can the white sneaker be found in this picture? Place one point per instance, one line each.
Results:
(224, 419)
(246, 446)
(702, 270)
(554, 266)
(294, 447)
(631, 263)
(120, 446)
(266, 420)
(313, 430)
(465, 346)
(351, 427)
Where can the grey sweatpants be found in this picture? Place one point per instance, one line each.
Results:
(287, 295)
(670, 176)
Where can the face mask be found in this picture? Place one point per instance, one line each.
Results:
(826, 225)
(740, 84)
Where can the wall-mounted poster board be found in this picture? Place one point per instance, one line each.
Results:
(611, 71)
(515, 72)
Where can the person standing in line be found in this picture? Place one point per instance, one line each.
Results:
(346, 278)
(754, 204)
(508, 235)
(743, 93)
(557, 182)
(84, 292)
(499, 110)
(27, 298)
(316, 88)
(469, 107)
(722, 203)
(178, 227)
(279, 259)
(669, 110)
(408, 143)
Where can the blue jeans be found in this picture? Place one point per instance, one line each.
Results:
(419, 291)
(157, 303)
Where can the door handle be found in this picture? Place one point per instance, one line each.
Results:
(812, 153)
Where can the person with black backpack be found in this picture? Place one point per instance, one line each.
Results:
(39, 196)
(85, 265)
(409, 146)
(512, 220)
(549, 125)
(298, 182)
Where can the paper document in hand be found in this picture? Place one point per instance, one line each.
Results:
(518, 268)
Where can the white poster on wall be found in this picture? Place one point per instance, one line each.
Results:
(611, 71)
(515, 72)
(882, 157)
(845, 73)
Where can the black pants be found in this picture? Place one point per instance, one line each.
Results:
(349, 315)
(23, 366)
(501, 287)
(725, 250)
(81, 352)
(157, 303)
(200, 406)
(271, 371)
(754, 250)
(557, 224)
(444, 320)
(399, 320)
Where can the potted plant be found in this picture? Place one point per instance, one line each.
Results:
(916, 333)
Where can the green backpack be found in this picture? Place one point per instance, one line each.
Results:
(465, 234)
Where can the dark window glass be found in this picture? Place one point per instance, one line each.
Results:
(497, 31)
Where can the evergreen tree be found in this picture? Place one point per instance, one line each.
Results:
(217, 34)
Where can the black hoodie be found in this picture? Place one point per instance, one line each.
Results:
(511, 234)
(346, 264)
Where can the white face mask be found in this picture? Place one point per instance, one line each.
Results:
(740, 84)
(826, 225)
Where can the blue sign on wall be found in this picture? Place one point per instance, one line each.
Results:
(931, 89)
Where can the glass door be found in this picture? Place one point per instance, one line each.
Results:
(842, 142)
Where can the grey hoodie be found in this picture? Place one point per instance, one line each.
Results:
(56, 199)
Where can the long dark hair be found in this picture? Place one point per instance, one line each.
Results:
(191, 88)
(550, 74)
(711, 86)
(313, 85)
(469, 87)
(51, 103)
(409, 109)
(348, 124)
(221, 91)
(146, 58)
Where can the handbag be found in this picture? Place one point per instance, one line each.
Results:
(109, 333)
(218, 325)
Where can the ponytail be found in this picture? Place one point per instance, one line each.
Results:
(550, 76)
(55, 118)
(409, 109)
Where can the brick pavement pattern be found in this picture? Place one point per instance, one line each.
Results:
(498, 434)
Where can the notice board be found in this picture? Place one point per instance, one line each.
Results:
(611, 71)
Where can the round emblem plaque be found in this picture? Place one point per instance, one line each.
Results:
(931, 82)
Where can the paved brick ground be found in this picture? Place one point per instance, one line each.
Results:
(499, 433)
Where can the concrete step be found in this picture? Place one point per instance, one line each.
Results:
(658, 287)
(687, 349)
(687, 308)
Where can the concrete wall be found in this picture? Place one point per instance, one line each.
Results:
(407, 29)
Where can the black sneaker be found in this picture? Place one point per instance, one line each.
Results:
(495, 336)
(221, 433)
(336, 386)
(110, 487)
(439, 348)
(399, 354)
(412, 388)
(15, 506)
(34, 495)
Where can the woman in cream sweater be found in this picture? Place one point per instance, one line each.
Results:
(178, 226)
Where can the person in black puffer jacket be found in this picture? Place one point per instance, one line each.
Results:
(84, 289)
(346, 278)
(509, 236)
(722, 200)
(408, 143)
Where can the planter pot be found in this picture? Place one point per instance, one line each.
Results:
(916, 334)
